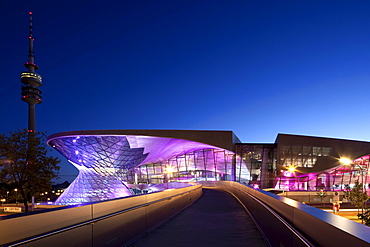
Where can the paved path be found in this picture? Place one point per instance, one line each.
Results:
(215, 219)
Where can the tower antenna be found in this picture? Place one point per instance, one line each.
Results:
(31, 81)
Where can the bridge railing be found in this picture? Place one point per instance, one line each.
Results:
(108, 223)
(318, 227)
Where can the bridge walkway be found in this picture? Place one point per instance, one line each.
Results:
(215, 219)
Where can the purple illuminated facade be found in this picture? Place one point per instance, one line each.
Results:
(312, 163)
(115, 163)
(112, 163)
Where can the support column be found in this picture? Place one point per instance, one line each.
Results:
(233, 168)
(264, 170)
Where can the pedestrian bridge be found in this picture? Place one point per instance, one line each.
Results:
(221, 213)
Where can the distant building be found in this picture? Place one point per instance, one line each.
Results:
(112, 162)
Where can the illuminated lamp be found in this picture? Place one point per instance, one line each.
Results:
(345, 161)
(291, 169)
(170, 169)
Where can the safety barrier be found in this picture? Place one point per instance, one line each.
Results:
(108, 223)
(286, 222)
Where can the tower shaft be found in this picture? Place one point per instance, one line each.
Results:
(31, 117)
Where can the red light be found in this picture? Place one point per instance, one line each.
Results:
(30, 13)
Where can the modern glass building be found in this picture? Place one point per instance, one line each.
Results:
(117, 163)
(113, 163)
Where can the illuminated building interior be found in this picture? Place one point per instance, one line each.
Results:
(111, 165)
(333, 179)
(314, 163)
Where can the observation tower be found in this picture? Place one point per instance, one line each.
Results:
(31, 81)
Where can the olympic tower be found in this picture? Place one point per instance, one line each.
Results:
(31, 81)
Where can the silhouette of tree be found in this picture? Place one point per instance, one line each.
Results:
(25, 164)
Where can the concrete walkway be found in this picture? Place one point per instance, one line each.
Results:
(215, 219)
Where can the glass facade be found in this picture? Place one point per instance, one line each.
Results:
(117, 165)
(112, 166)
(103, 163)
(193, 166)
(301, 156)
(260, 160)
(331, 180)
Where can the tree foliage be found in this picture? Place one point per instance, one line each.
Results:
(357, 196)
(365, 217)
(24, 163)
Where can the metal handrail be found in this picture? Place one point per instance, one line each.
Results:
(92, 221)
(292, 229)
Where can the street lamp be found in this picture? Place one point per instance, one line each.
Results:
(16, 196)
(346, 162)
(7, 197)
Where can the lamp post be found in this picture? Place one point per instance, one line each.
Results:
(7, 197)
(345, 162)
(16, 196)
(291, 173)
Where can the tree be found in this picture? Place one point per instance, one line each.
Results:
(365, 217)
(357, 196)
(24, 163)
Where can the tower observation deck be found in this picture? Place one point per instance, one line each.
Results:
(31, 81)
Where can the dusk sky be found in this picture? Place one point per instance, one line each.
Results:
(257, 68)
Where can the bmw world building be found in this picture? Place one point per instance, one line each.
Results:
(119, 163)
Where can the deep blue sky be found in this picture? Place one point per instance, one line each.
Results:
(257, 68)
